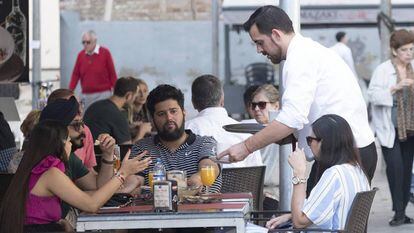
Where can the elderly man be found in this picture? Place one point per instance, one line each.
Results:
(95, 70)
(177, 148)
(105, 116)
(208, 98)
(317, 82)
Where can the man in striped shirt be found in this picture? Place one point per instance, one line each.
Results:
(178, 149)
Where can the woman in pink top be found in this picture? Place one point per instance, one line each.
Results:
(33, 198)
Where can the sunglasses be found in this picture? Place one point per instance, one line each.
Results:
(77, 125)
(86, 42)
(309, 140)
(260, 104)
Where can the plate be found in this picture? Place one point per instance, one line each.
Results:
(199, 199)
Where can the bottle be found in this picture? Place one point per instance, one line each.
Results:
(16, 24)
(159, 171)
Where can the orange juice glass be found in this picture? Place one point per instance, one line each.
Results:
(150, 178)
(208, 176)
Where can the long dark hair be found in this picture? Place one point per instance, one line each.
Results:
(47, 138)
(338, 143)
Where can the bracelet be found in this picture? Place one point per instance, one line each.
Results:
(107, 161)
(247, 148)
(120, 177)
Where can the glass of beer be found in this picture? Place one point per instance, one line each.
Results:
(208, 176)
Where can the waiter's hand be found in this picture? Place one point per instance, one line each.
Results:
(236, 153)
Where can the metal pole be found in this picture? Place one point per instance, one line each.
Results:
(215, 37)
(227, 65)
(36, 66)
(385, 32)
(292, 8)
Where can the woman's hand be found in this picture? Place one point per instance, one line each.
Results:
(135, 165)
(403, 83)
(297, 161)
(274, 222)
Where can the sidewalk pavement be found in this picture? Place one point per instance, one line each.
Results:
(381, 211)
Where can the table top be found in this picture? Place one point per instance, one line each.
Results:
(254, 128)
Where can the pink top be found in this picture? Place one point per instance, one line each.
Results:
(46, 209)
(87, 153)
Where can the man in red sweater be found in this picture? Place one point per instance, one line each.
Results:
(95, 70)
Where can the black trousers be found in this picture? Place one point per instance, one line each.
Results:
(368, 157)
(399, 161)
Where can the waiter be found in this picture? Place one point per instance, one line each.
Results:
(317, 82)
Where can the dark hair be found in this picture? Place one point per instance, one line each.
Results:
(339, 36)
(400, 38)
(124, 85)
(47, 138)
(61, 93)
(248, 94)
(267, 18)
(206, 91)
(338, 143)
(161, 93)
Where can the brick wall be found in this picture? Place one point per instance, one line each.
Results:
(141, 10)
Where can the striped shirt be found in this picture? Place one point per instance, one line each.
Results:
(186, 158)
(330, 200)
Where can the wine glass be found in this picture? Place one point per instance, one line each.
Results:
(208, 176)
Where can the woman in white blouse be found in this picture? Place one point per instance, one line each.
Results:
(391, 93)
(329, 202)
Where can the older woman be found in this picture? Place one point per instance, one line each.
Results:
(327, 207)
(391, 93)
(265, 99)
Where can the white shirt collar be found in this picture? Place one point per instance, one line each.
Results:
(295, 40)
(213, 111)
(96, 50)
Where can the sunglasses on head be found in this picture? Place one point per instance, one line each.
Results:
(309, 140)
(86, 42)
(260, 104)
(77, 125)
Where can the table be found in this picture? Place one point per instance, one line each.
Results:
(232, 211)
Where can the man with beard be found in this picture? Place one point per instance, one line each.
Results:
(317, 82)
(177, 148)
(82, 144)
(105, 116)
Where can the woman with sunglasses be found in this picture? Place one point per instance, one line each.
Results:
(391, 93)
(32, 202)
(327, 207)
(264, 99)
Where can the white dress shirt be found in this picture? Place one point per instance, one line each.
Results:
(345, 53)
(210, 122)
(318, 82)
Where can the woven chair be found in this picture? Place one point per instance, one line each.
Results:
(259, 73)
(357, 219)
(245, 179)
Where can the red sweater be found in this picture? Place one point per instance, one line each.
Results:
(96, 72)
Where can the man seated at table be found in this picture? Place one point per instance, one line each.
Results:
(208, 98)
(178, 149)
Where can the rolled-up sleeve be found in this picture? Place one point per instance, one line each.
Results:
(300, 87)
(379, 92)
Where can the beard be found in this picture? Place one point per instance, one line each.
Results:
(170, 136)
(77, 142)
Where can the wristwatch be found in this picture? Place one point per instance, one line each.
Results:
(297, 180)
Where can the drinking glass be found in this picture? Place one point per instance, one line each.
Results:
(150, 179)
(208, 176)
(117, 162)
